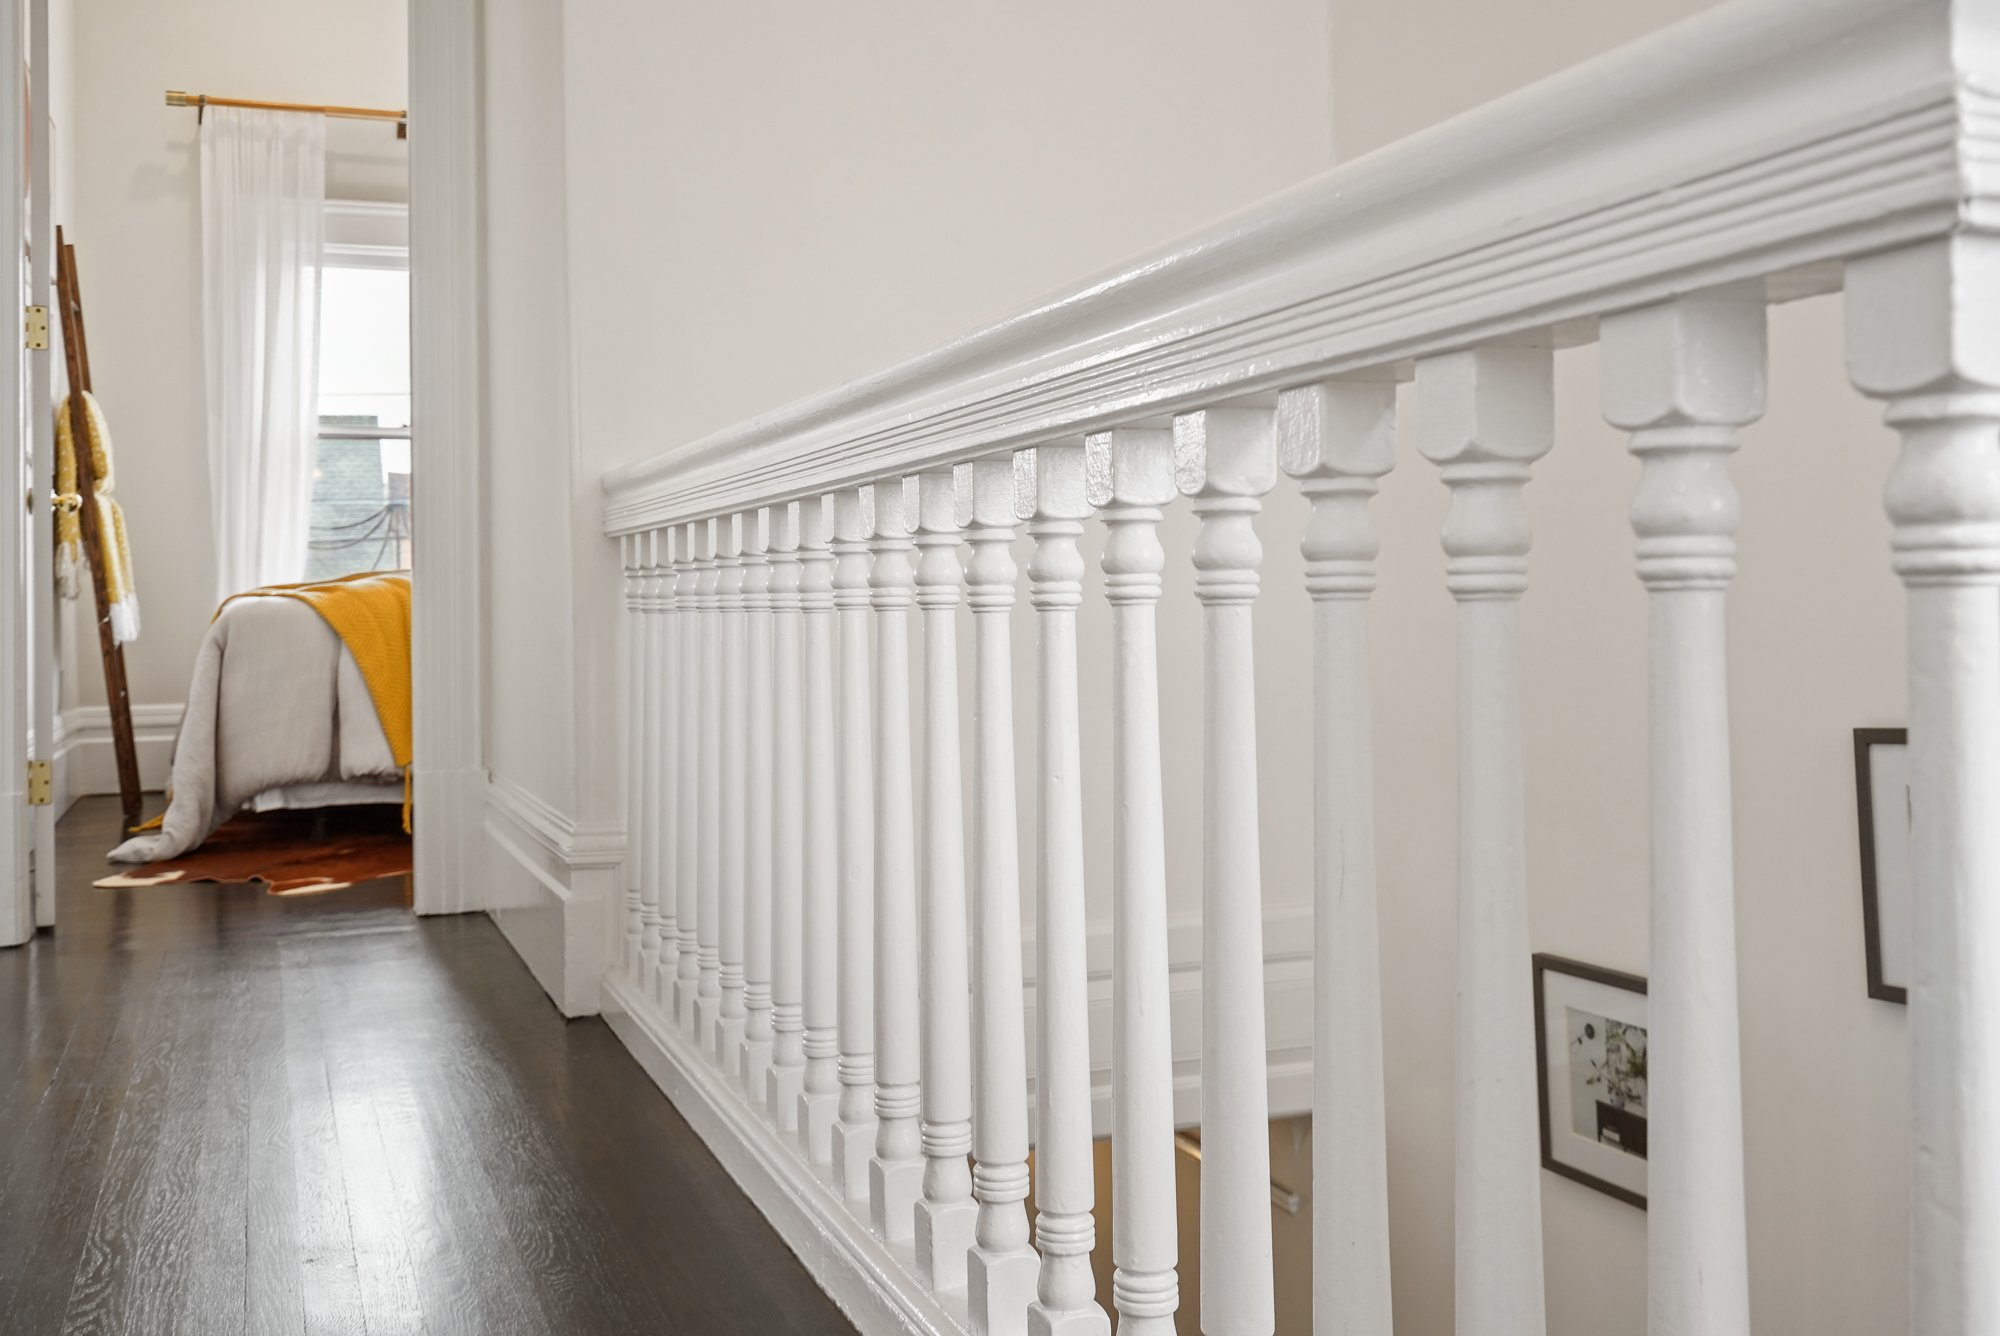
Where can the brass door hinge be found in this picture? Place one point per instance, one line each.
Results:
(41, 784)
(38, 327)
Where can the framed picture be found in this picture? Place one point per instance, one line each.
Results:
(1882, 791)
(1590, 1052)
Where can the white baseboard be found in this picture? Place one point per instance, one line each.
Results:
(547, 883)
(871, 1282)
(85, 763)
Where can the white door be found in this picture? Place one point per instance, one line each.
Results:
(43, 676)
(25, 676)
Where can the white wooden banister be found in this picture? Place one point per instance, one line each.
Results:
(786, 1079)
(854, 1124)
(1131, 476)
(1922, 337)
(1338, 438)
(946, 1214)
(1682, 377)
(1226, 459)
(1483, 417)
(1001, 1269)
(757, 828)
(822, 896)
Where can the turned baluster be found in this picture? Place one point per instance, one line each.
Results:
(786, 1077)
(1052, 496)
(663, 910)
(896, 1173)
(756, 1059)
(632, 552)
(725, 1040)
(819, 883)
(1338, 439)
(708, 994)
(1131, 474)
(854, 1124)
(688, 866)
(1682, 377)
(1002, 1268)
(1226, 459)
(1921, 337)
(652, 839)
(1484, 416)
(945, 1216)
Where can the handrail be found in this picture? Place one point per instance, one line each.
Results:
(1616, 183)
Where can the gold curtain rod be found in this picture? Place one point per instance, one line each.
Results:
(202, 101)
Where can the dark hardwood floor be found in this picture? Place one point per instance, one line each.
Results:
(222, 1112)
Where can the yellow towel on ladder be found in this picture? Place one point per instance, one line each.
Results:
(118, 586)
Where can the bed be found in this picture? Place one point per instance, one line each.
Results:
(281, 712)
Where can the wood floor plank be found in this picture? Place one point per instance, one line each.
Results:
(234, 1113)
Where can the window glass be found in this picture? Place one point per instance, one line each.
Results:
(361, 461)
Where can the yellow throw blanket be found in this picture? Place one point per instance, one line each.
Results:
(370, 613)
(118, 586)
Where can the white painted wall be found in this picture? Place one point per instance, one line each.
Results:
(134, 215)
(765, 201)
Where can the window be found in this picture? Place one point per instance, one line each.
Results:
(361, 461)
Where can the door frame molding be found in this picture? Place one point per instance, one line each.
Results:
(448, 678)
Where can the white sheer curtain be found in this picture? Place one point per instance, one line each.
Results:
(263, 209)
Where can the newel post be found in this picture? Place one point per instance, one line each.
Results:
(1484, 416)
(631, 551)
(1338, 439)
(656, 700)
(1682, 377)
(1923, 335)
(679, 991)
(1226, 459)
(662, 920)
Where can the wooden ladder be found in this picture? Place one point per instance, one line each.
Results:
(76, 357)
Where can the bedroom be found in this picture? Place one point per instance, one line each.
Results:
(258, 442)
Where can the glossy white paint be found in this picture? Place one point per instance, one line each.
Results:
(1483, 417)
(1665, 194)
(631, 549)
(819, 888)
(1002, 1269)
(945, 1216)
(1226, 459)
(709, 711)
(1338, 438)
(1921, 336)
(1051, 495)
(1130, 477)
(757, 834)
(854, 1127)
(688, 868)
(786, 1080)
(661, 808)
(1682, 377)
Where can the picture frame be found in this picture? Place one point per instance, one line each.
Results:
(1590, 1065)
(1881, 790)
